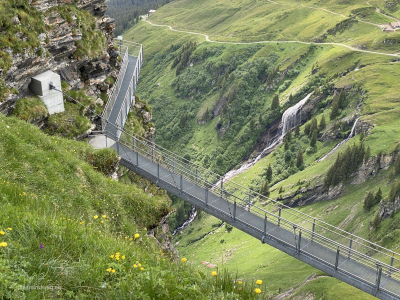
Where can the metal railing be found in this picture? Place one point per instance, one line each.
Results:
(364, 252)
(115, 89)
(129, 96)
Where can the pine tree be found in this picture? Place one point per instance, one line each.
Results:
(313, 127)
(335, 109)
(322, 124)
(269, 173)
(313, 141)
(378, 196)
(299, 160)
(369, 201)
(307, 128)
(265, 189)
(297, 130)
(275, 102)
(376, 222)
(342, 100)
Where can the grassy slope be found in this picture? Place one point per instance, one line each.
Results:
(374, 74)
(65, 224)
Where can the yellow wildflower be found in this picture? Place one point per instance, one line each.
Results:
(3, 244)
(109, 270)
(2, 232)
(104, 216)
(135, 266)
(9, 228)
(113, 270)
(123, 257)
(239, 282)
(117, 257)
(112, 255)
(214, 273)
(137, 235)
(183, 259)
(95, 217)
(139, 264)
(131, 239)
(259, 281)
(257, 290)
(142, 269)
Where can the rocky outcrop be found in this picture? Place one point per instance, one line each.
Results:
(308, 195)
(163, 237)
(372, 166)
(387, 208)
(58, 44)
(312, 193)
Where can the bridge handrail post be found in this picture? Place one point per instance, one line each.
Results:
(378, 275)
(181, 183)
(249, 201)
(265, 224)
(206, 195)
(279, 217)
(133, 144)
(350, 247)
(197, 170)
(158, 172)
(222, 184)
(234, 211)
(337, 259)
(137, 159)
(298, 243)
(391, 265)
(313, 230)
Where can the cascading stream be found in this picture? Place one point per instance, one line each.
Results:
(353, 129)
(289, 121)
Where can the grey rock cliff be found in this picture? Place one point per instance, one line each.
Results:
(57, 46)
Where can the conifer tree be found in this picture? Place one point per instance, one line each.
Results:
(265, 189)
(313, 140)
(313, 127)
(342, 100)
(307, 128)
(299, 160)
(297, 130)
(369, 201)
(275, 102)
(322, 124)
(269, 173)
(378, 196)
(335, 109)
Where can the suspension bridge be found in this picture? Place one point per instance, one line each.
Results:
(352, 259)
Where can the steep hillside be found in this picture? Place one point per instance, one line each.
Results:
(221, 77)
(69, 232)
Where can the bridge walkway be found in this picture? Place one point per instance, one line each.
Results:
(112, 119)
(276, 232)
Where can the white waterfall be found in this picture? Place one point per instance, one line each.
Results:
(289, 121)
(192, 216)
(353, 129)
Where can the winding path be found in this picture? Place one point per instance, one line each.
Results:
(274, 41)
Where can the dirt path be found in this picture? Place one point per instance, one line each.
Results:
(291, 291)
(274, 41)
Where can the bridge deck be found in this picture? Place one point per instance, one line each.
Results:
(306, 250)
(121, 94)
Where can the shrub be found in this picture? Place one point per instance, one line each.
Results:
(30, 109)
